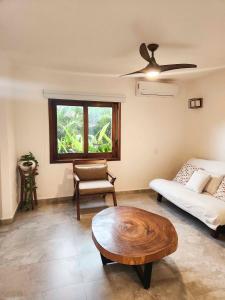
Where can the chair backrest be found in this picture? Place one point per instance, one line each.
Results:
(90, 170)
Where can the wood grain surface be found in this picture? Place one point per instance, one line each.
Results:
(133, 236)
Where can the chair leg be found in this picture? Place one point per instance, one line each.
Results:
(76, 191)
(114, 199)
(78, 207)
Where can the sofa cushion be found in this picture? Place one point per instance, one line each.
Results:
(198, 181)
(213, 184)
(220, 193)
(185, 173)
(205, 207)
(95, 187)
(91, 172)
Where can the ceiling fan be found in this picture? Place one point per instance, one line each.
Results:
(153, 69)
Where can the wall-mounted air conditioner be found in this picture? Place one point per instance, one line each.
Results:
(146, 88)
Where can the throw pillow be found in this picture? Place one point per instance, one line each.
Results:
(213, 184)
(220, 193)
(185, 173)
(198, 181)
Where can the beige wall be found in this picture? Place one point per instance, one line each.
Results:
(8, 158)
(158, 134)
(152, 130)
(205, 128)
(8, 155)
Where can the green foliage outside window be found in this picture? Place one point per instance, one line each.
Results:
(70, 129)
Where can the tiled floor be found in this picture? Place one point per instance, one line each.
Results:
(47, 254)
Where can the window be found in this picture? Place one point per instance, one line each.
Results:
(84, 129)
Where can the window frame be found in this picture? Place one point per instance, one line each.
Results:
(69, 157)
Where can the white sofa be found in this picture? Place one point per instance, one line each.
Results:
(205, 207)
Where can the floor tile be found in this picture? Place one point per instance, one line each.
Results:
(71, 292)
(48, 254)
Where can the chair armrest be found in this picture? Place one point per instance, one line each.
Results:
(113, 178)
(76, 178)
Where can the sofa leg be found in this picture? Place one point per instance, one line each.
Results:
(114, 199)
(159, 198)
(215, 233)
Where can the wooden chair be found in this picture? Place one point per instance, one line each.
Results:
(92, 178)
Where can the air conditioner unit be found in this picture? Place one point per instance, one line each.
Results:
(146, 88)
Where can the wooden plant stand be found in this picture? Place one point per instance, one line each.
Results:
(28, 193)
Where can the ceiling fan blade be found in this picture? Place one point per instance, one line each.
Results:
(144, 52)
(142, 71)
(137, 72)
(164, 68)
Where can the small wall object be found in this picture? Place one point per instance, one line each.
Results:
(195, 103)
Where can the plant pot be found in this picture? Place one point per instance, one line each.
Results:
(27, 165)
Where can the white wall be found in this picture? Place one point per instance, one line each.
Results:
(152, 130)
(205, 128)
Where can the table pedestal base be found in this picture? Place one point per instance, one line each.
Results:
(144, 272)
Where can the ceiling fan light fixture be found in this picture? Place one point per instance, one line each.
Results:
(153, 69)
(152, 73)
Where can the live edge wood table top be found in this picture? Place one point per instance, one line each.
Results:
(133, 236)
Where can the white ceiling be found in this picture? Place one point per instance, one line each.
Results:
(103, 37)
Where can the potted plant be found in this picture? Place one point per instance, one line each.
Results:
(28, 162)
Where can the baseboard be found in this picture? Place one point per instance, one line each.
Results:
(55, 200)
(134, 191)
(152, 191)
(69, 198)
(9, 220)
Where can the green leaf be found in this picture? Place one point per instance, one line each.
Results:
(102, 132)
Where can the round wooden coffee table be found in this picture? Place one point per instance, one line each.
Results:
(133, 236)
